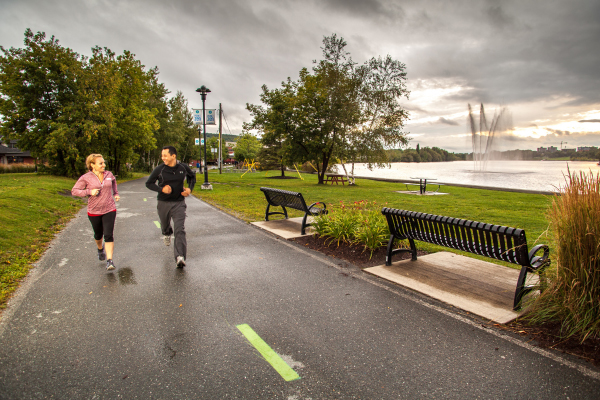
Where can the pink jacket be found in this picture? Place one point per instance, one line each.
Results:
(104, 202)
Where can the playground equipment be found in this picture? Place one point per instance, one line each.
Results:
(295, 166)
(250, 164)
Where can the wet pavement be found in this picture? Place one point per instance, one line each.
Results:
(151, 331)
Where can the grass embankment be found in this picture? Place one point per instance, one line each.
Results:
(241, 197)
(33, 211)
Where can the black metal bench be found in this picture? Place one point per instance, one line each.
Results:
(285, 198)
(493, 241)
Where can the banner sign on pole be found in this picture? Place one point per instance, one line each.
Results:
(198, 141)
(210, 116)
(197, 117)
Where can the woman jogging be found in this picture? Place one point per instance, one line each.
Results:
(100, 185)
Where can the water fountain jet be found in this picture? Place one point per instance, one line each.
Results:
(483, 139)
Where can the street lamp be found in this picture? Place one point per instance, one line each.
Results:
(203, 90)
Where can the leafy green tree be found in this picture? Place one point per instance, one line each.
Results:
(62, 106)
(382, 116)
(179, 130)
(276, 122)
(336, 112)
(124, 120)
(41, 103)
(247, 147)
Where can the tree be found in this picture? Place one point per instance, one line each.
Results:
(328, 107)
(62, 106)
(247, 147)
(337, 112)
(122, 114)
(41, 102)
(276, 122)
(179, 130)
(382, 117)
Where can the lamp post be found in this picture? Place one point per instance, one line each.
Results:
(203, 90)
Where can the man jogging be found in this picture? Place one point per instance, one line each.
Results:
(171, 199)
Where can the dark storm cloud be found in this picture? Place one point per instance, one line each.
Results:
(497, 51)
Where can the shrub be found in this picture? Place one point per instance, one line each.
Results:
(373, 232)
(572, 297)
(16, 168)
(360, 222)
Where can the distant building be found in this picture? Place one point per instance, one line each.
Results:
(10, 154)
(230, 152)
(587, 148)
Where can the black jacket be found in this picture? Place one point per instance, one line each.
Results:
(172, 176)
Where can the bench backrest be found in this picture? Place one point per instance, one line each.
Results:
(494, 241)
(286, 198)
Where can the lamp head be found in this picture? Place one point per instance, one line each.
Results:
(203, 90)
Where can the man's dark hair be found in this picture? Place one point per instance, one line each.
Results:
(171, 149)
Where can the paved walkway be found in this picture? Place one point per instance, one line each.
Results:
(252, 316)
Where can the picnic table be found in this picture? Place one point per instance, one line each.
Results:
(335, 178)
(423, 183)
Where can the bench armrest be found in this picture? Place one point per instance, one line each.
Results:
(537, 262)
(318, 202)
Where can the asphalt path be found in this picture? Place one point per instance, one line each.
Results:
(151, 331)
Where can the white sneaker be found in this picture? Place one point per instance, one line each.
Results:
(167, 240)
(180, 261)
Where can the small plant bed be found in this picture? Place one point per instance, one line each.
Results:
(352, 253)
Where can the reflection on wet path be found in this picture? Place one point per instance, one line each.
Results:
(124, 276)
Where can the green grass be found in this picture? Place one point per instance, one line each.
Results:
(33, 211)
(241, 197)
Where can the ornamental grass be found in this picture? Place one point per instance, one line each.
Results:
(359, 223)
(572, 297)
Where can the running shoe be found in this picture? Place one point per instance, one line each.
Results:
(167, 240)
(110, 265)
(101, 254)
(180, 261)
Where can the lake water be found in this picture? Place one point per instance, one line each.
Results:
(524, 175)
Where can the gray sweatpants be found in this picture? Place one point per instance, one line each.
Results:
(174, 210)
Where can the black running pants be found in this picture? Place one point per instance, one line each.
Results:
(104, 225)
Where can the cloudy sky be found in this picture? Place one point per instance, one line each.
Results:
(538, 58)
